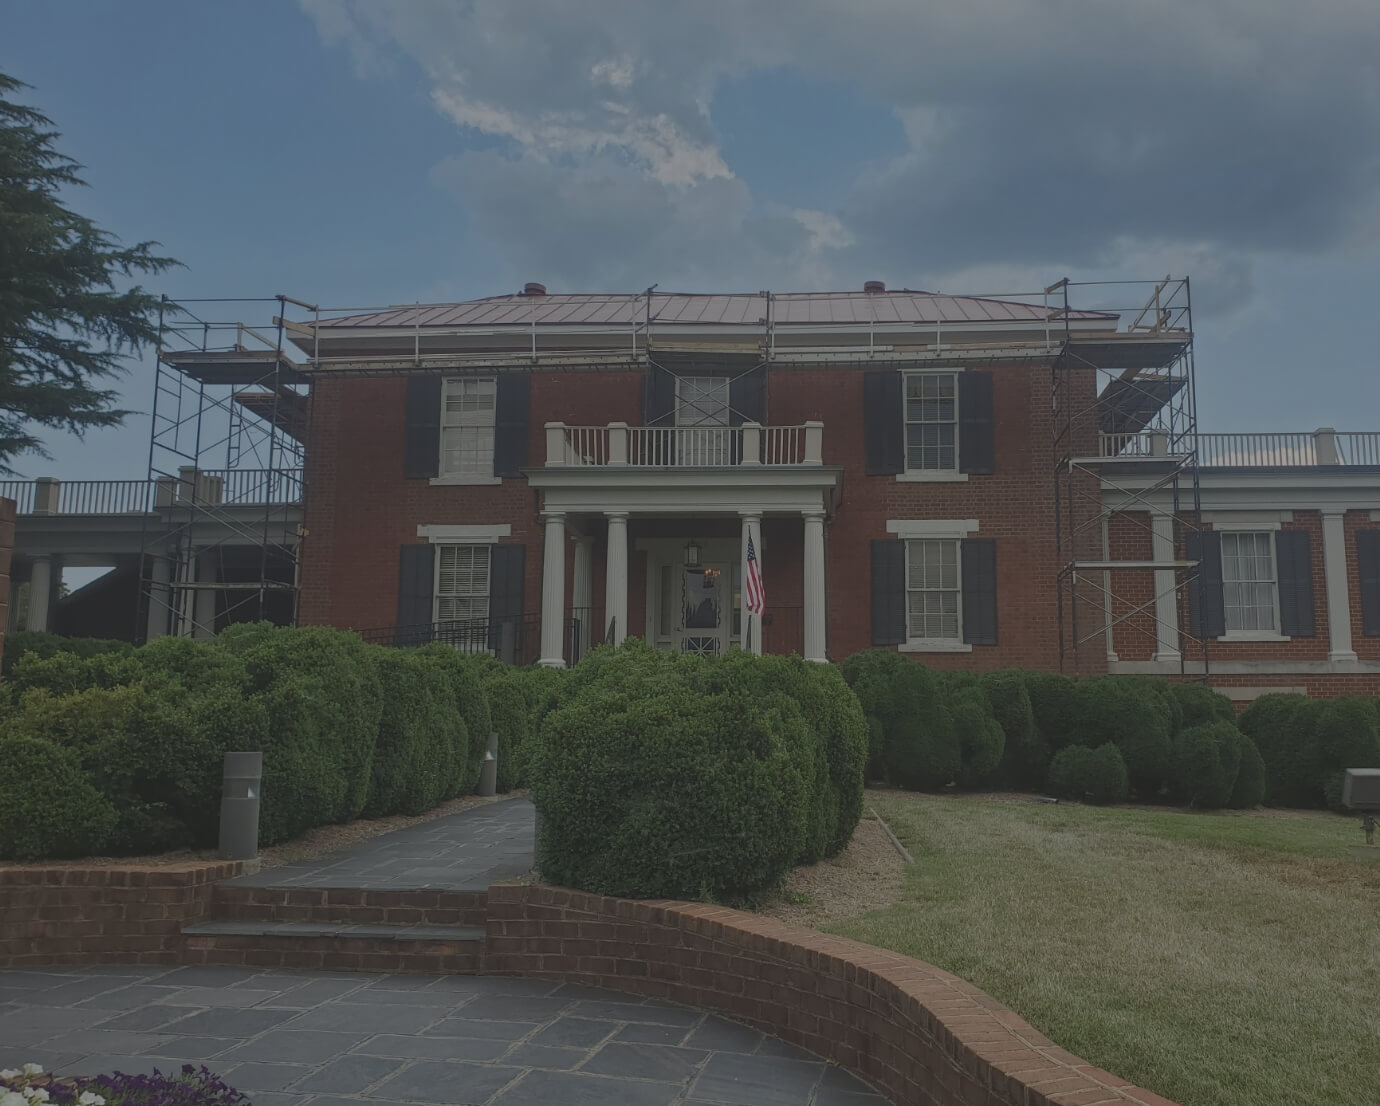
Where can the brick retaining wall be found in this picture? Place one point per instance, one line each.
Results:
(920, 1035)
(71, 915)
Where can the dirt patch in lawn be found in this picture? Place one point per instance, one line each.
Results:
(866, 875)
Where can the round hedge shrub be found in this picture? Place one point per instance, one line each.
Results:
(421, 736)
(1249, 790)
(1348, 736)
(658, 789)
(919, 748)
(981, 742)
(1025, 756)
(1198, 703)
(1136, 718)
(40, 643)
(1284, 728)
(1206, 762)
(831, 706)
(472, 700)
(64, 672)
(1094, 775)
(1054, 703)
(321, 690)
(48, 808)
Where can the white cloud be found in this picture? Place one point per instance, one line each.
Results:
(1041, 137)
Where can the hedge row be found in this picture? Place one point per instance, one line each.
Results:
(1103, 738)
(1307, 744)
(119, 750)
(668, 776)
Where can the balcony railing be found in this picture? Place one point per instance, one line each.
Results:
(683, 446)
(226, 488)
(1305, 449)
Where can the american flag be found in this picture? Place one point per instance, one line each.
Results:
(756, 594)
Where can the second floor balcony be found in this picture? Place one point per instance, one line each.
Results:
(1308, 449)
(667, 447)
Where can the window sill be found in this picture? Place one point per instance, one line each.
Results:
(938, 477)
(934, 647)
(1253, 635)
(464, 481)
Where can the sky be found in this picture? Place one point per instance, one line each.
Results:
(370, 152)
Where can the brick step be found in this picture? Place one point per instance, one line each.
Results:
(348, 906)
(340, 946)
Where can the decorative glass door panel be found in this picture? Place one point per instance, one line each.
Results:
(705, 621)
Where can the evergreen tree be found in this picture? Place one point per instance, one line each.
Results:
(68, 315)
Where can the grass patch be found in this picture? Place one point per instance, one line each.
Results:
(1217, 959)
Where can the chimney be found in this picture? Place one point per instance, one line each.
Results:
(874, 286)
(532, 288)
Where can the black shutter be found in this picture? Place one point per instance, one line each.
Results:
(658, 396)
(507, 585)
(422, 445)
(1207, 617)
(1368, 564)
(747, 398)
(1294, 558)
(416, 575)
(888, 592)
(884, 422)
(976, 437)
(512, 407)
(979, 591)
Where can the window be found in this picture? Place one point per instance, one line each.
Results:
(933, 588)
(1248, 581)
(931, 422)
(467, 427)
(702, 414)
(462, 583)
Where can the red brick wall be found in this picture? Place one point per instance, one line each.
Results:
(74, 915)
(920, 1035)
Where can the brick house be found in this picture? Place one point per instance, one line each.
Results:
(948, 476)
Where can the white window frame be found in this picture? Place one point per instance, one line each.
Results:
(465, 420)
(954, 530)
(1266, 530)
(929, 476)
(480, 645)
(700, 442)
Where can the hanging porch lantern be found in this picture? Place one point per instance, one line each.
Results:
(692, 554)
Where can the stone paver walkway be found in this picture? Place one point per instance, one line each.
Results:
(461, 852)
(304, 1039)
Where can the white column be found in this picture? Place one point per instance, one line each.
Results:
(815, 622)
(616, 580)
(204, 611)
(582, 590)
(1338, 594)
(160, 570)
(553, 593)
(751, 624)
(1166, 593)
(40, 592)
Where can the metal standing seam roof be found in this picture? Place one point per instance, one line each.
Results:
(688, 309)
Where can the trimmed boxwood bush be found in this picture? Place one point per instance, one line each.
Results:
(1136, 718)
(835, 712)
(1249, 790)
(472, 700)
(1025, 756)
(903, 704)
(40, 643)
(1095, 775)
(1348, 736)
(1284, 728)
(668, 787)
(1206, 761)
(981, 742)
(323, 698)
(1198, 703)
(421, 736)
(48, 807)
(1054, 703)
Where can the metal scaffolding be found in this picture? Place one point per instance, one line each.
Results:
(226, 454)
(1126, 450)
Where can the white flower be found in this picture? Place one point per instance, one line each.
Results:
(36, 1094)
(13, 1098)
(9, 1073)
(33, 1069)
(89, 1099)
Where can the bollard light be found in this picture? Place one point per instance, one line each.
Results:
(488, 771)
(239, 805)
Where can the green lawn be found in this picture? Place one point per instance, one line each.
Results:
(1227, 959)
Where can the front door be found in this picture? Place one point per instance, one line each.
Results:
(705, 622)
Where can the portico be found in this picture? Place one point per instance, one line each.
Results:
(694, 525)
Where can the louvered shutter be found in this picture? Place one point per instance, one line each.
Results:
(416, 577)
(512, 414)
(979, 591)
(888, 592)
(507, 585)
(1368, 563)
(884, 422)
(976, 430)
(422, 434)
(1294, 561)
(658, 396)
(1207, 616)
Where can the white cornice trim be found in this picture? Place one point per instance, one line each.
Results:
(464, 535)
(931, 527)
